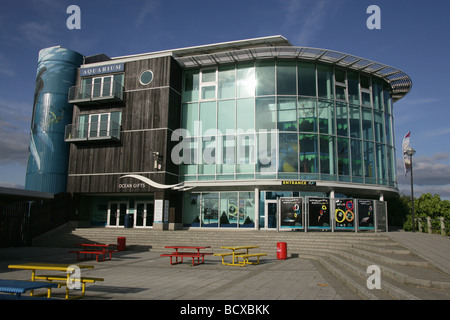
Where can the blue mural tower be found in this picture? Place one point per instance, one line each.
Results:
(48, 153)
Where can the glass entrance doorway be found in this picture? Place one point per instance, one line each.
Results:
(143, 214)
(269, 220)
(116, 214)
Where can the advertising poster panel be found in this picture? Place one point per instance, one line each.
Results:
(291, 213)
(366, 214)
(345, 214)
(319, 213)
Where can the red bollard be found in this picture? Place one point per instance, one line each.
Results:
(121, 243)
(281, 250)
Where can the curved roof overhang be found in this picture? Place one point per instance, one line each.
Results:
(399, 81)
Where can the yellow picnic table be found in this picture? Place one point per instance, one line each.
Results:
(239, 252)
(62, 279)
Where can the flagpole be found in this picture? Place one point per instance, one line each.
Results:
(410, 152)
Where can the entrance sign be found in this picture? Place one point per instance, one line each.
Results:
(344, 214)
(291, 213)
(319, 213)
(366, 214)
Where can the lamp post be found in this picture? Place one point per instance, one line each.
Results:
(410, 152)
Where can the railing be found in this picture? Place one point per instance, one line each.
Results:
(428, 224)
(103, 130)
(96, 93)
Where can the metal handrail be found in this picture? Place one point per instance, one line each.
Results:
(106, 90)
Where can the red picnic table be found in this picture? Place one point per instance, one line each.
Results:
(177, 254)
(97, 249)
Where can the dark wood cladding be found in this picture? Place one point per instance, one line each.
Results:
(149, 114)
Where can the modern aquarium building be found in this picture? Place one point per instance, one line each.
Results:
(250, 134)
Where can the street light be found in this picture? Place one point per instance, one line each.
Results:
(410, 152)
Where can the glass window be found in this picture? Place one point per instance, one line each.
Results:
(286, 78)
(326, 117)
(208, 84)
(327, 154)
(381, 163)
(341, 93)
(307, 115)
(365, 91)
(189, 117)
(246, 209)
(208, 92)
(325, 81)
(309, 153)
(209, 75)
(146, 77)
(288, 153)
(357, 159)
(245, 154)
(306, 79)
(355, 122)
(341, 119)
(227, 156)
(245, 114)
(287, 114)
(353, 87)
(377, 91)
(388, 129)
(265, 78)
(227, 81)
(210, 210)
(245, 80)
(369, 162)
(266, 117)
(339, 75)
(367, 123)
(387, 98)
(229, 209)
(208, 117)
(191, 209)
(207, 161)
(379, 126)
(191, 86)
(226, 116)
(343, 156)
(267, 154)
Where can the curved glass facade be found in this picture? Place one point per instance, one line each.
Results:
(282, 119)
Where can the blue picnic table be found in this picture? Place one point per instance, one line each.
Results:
(19, 287)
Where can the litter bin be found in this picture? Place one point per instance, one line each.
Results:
(281, 250)
(121, 243)
(129, 219)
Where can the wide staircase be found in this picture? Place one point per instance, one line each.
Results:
(344, 255)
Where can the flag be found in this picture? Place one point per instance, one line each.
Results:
(405, 147)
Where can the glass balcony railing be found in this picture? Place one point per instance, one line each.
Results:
(104, 92)
(93, 131)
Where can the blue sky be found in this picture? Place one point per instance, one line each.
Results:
(414, 37)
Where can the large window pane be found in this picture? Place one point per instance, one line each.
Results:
(357, 160)
(191, 209)
(226, 119)
(326, 117)
(245, 114)
(227, 81)
(353, 87)
(365, 91)
(343, 156)
(342, 119)
(229, 209)
(227, 156)
(327, 155)
(287, 114)
(208, 117)
(191, 86)
(266, 117)
(246, 80)
(245, 153)
(381, 163)
(379, 126)
(286, 78)
(369, 161)
(246, 209)
(288, 157)
(307, 115)
(265, 78)
(210, 210)
(189, 116)
(325, 81)
(377, 92)
(355, 122)
(306, 79)
(309, 153)
(367, 126)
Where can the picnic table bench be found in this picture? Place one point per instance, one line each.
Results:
(19, 287)
(58, 279)
(194, 255)
(238, 253)
(101, 251)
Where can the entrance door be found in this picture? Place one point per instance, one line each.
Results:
(116, 214)
(143, 214)
(270, 214)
